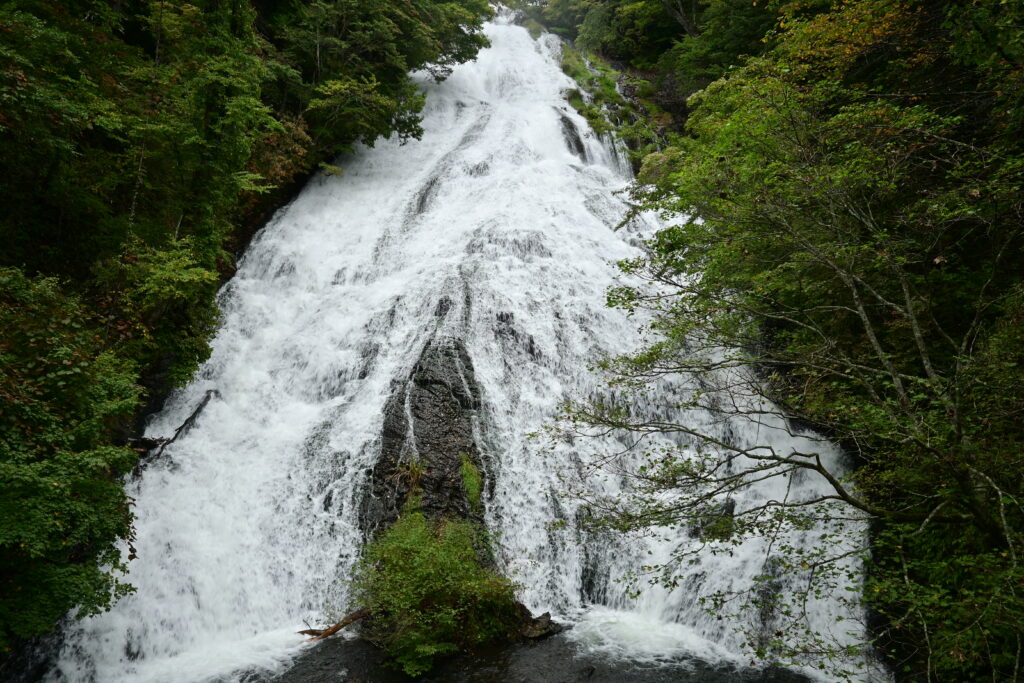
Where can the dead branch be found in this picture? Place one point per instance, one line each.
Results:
(188, 423)
(320, 634)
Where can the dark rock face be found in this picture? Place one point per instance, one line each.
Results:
(31, 661)
(572, 136)
(537, 628)
(554, 660)
(428, 429)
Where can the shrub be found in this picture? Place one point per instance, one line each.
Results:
(428, 593)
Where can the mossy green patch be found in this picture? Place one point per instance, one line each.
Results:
(534, 27)
(428, 593)
(575, 98)
(720, 527)
(597, 98)
(574, 66)
(471, 481)
(638, 123)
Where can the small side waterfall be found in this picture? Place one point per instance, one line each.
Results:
(248, 525)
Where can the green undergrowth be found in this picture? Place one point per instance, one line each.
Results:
(534, 27)
(427, 584)
(61, 500)
(428, 593)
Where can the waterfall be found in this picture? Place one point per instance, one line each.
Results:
(502, 215)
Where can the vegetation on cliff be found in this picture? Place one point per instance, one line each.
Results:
(846, 215)
(429, 594)
(426, 578)
(139, 140)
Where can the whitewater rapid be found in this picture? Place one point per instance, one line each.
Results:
(247, 526)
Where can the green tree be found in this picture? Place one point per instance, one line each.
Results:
(847, 245)
(62, 505)
(345, 64)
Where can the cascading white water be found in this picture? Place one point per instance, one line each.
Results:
(248, 525)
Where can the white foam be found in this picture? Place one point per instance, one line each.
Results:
(640, 637)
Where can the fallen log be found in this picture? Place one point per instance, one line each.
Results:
(320, 634)
(144, 445)
(188, 423)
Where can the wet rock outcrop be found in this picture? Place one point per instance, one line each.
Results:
(429, 451)
(427, 438)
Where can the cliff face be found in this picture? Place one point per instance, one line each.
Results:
(430, 462)
(427, 439)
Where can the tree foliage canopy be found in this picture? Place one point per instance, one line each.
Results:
(61, 499)
(845, 241)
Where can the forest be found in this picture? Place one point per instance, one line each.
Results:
(844, 176)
